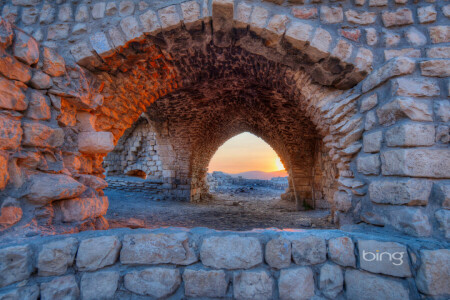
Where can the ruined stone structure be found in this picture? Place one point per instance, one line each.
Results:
(352, 95)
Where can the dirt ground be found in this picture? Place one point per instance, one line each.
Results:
(232, 208)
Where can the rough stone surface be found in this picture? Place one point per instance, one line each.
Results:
(55, 257)
(42, 135)
(64, 287)
(309, 250)
(411, 191)
(15, 264)
(252, 285)
(435, 68)
(372, 142)
(79, 209)
(331, 280)
(443, 218)
(416, 110)
(99, 285)
(368, 164)
(278, 253)
(27, 292)
(203, 283)
(434, 271)
(54, 64)
(155, 282)
(95, 142)
(416, 87)
(25, 48)
(156, 249)
(231, 252)
(341, 251)
(10, 132)
(297, 283)
(11, 96)
(96, 253)
(410, 134)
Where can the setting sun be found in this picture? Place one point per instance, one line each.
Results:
(279, 164)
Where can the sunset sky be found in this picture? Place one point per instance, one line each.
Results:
(245, 152)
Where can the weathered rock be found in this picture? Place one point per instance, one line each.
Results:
(202, 283)
(278, 253)
(45, 188)
(362, 285)
(410, 220)
(415, 37)
(435, 68)
(416, 163)
(155, 282)
(416, 87)
(6, 33)
(10, 132)
(4, 174)
(410, 134)
(342, 201)
(95, 142)
(368, 164)
(231, 252)
(38, 108)
(309, 250)
(411, 191)
(11, 96)
(55, 257)
(368, 102)
(96, 253)
(443, 110)
(40, 80)
(99, 285)
(54, 65)
(299, 34)
(341, 250)
(372, 142)
(439, 34)
(15, 264)
(297, 283)
(402, 16)
(443, 218)
(384, 257)
(60, 288)
(443, 194)
(364, 18)
(331, 15)
(92, 181)
(21, 293)
(9, 215)
(13, 69)
(42, 135)
(434, 272)
(79, 209)
(252, 285)
(157, 249)
(25, 48)
(416, 110)
(149, 21)
(331, 280)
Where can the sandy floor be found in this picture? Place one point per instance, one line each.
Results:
(233, 208)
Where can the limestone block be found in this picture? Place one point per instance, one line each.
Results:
(410, 220)
(54, 65)
(368, 164)
(342, 51)
(126, 8)
(434, 272)
(378, 2)
(9, 214)
(79, 209)
(95, 142)
(40, 80)
(11, 96)
(320, 45)
(65, 287)
(157, 249)
(363, 285)
(402, 16)
(96, 253)
(443, 194)
(372, 142)
(309, 250)
(411, 191)
(149, 21)
(297, 283)
(10, 132)
(15, 264)
(13, 69)
(130, 28)
(258, 19)
(98, 10)
(415, 37)
(426, 14)
(416, 87)
(202, 283)
(439, 34)
(435, 68)
(360, 18)
(100, 44)
(368, 102)
(342, 201)
(341, 251)
(400, 107)
(331, 280)
(42, 135)
(169, 17)
(299, 34)
(278, 253)
(21, 293)
(395, 67)
(276, 27)
(99, 285)
(410, 134)
(388, 258)
(155, 282)
(416, 163)
(331, 15)
(190, 11)
(243, 12)
(55, 257)
(222, 14)
(249, 285)
(231, 252)
(442, 110)
(39, 107)
(25, 48)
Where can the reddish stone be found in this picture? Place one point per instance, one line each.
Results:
(13, 69)
(54, 64)
(10, 133)
(80, 209)
(11, 96)
(351, 34)
(42, 135)
(4, 175)
(9, 216)
(26, 48)
(6, 33)
(305, 12)
(38, 108)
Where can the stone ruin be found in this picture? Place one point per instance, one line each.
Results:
(351, 94)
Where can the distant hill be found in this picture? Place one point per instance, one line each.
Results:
(261, 174)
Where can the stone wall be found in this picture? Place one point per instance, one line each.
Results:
(174, 263)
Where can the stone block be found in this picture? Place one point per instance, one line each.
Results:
(443, 218)
(55, 257)
(100, 44)
(79, 209)
(438, 52)
(190, 11)
(258, 19)
(360, 18)
(95, 142)
(99, 285)
(435, 68)
(296, 283)
(362, 285)
(157, 249)
(22, 293)
(309, 250)
(443, 194)
(371, 36)
(304, 12)
(331, 15)
(341, 250)
(243, 13)
(442, 109)
(410, 134)
(387, 258)
(399, 108)
(39, 107)
(11, 96)
(45, 188)
(169, 17)
(342, 201)
(320, 45)
(249, 285)
(41, 81)
(98, 10)
(231, 252)
(331, 280)
(10, 132)
(25, 48)
(299, 34)
(154, 282)
(96, 253)
(42, 135)
(410, 192)
(15, 264)
(400, 17)
(278, 253)
(203, 283)
(439, 34)
(410, 220)
(342, 51)
(368, 164)
(426, 14)
(372, 142)
(434, 272)
(415, 37)
(368, 102)
(434, 163)
(416, 87)
(65, 287)
(13, 69)
(131, 28)
(53, 63)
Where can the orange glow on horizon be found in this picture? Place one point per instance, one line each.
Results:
(245, 152)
